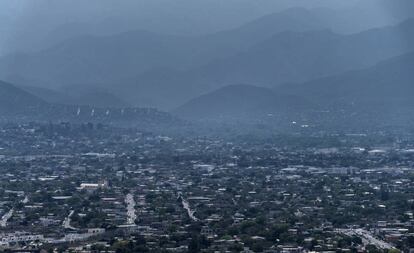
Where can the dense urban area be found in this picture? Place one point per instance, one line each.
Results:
(207, 126)
(94, 188)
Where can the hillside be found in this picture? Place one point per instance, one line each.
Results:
(240, 102)
(17, 104)
(106, 59)
(13, 99)
(285, 57)
(387, 84)
(378, 95)
(141, 68)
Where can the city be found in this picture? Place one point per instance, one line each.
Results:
(107, 189)
(207, 126)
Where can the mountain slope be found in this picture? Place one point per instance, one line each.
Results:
(285, 57)
(18, 105)
(13, 99)
(297, 57)
(77, 96)
(147, 69)
(99, 99)
(94, 59)
(106, 59)
(382, 95)
(48, 95)
(240, 102)
(387, 84)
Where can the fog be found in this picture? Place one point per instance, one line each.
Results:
(24, 20)
(181, 56)
(206, 126)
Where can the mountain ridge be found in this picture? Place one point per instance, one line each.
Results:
(381, 94)
(283, 58)
(240, 101)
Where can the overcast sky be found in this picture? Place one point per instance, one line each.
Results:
(214, 13)
(21, 20)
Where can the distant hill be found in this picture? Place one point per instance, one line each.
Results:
(19, 105)
(285, 57)
(141, 68)
(240, 102)
(379, 96)
(94, 59)
(389, 84)
(100, 99)
(48, 95)
(382, 95)
(13, 99)
(89, 97)
(298, 57)
(106, 59)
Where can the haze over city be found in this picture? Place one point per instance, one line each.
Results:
(206, 126)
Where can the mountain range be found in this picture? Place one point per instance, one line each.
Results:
(381, 93)
(285, 66)
(19, 105)
(149, 69)
(240, 101)
(284, 57)
(92, 59)
(14, 100)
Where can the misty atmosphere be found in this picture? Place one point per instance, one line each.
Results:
(207, 126)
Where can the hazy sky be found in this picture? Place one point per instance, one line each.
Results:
(22, 20)
(210, 14)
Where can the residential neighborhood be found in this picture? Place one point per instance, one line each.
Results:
(101, 189)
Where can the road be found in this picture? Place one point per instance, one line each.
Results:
(6, 217)
(367, 238)
(131, 213)
(190, 212)
(66, 222)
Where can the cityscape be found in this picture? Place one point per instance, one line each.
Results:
(107, 189)
(207, 126)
